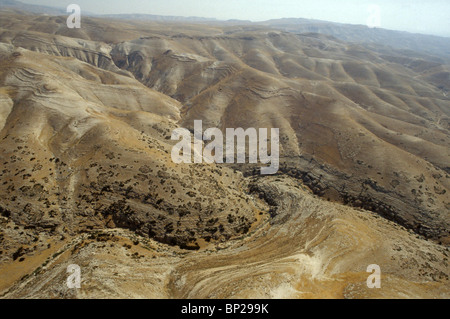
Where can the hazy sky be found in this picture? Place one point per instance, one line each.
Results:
(430, 16)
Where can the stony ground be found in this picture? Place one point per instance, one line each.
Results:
(87, 178)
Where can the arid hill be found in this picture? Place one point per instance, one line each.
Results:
(86, 117)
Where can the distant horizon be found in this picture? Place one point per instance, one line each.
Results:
(414, 16)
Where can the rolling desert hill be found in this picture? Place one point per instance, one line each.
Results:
(86, 117)
(375, 38)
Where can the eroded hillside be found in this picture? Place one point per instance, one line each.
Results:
(87, 177)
